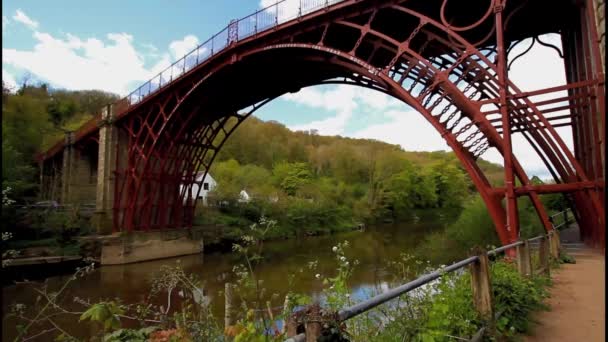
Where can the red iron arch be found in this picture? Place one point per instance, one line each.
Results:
(430, 67)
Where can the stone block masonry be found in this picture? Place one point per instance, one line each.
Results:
(133, 247)
(79, 173)
(600, 21)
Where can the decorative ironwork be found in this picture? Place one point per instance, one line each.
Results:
(446, 78)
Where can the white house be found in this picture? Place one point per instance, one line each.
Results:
(244, 197)
(193, 190)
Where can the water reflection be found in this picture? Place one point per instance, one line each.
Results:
(374, 248)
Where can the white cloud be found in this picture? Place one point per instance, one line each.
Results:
(111, 64)
(289, 9)
(340, 99)
(408, 129)
(150, 47)
(74, 63)
(9, 80)
(343, 100)
(5, 22)
(179, 48)
(24, 19)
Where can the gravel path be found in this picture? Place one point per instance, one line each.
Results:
(577, 302)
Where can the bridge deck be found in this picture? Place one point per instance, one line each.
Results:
(577, 308)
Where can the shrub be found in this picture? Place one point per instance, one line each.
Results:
(515, 296)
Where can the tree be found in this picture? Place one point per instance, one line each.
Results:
(290, 177)
(451, 185)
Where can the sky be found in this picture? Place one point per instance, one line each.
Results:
(118, 45)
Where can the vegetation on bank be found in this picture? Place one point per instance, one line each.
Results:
(474, 227)
(311, 184)
(438, 312)
(34, 117)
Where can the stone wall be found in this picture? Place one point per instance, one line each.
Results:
(83, 179)
(601, 28)
(109, 137)
(79, 173)
(143, 246)
(50, 179)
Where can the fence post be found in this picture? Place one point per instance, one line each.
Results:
(312, 324)
(291, 326)
(228, 316)
(524, 264)
(286, 314)
(313, 330)
(482, 287)
(558, 243)
(544, 255)
(554, 244)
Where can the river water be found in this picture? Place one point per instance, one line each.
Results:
(373, 248)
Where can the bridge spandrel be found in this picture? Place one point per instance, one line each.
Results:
(436, 56)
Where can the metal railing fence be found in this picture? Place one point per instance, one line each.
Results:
(262, 20)
(552, 238)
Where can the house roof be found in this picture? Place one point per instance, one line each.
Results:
(199, 176)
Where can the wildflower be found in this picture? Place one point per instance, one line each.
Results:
(342, 258)
(348, 295)
(335, 249)
(346, 263)
(317, 276)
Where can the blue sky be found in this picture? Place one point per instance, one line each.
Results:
(118, 45)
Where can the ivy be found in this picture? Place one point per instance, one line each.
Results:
(105, 313)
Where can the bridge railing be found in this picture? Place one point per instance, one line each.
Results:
(559, 219)
(548, 248)
(237, 30)
(261, 21)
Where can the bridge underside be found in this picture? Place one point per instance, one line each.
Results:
(444, 60)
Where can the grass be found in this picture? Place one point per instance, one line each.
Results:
(22, 244)
(72, 248)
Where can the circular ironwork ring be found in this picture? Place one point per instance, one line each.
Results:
(464, 28)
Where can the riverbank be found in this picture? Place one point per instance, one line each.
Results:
(119, 248)
(284, 269)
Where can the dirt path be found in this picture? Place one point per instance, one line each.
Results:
(577, 302)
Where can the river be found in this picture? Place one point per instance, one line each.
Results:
(373, 248)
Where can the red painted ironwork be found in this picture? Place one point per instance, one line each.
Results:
(454, 74)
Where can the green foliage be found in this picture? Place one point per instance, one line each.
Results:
(291, 177)
(529, 222)
(336, 289)
(315, 184)
(451, 312)
(34, 118)
(473, 228)
(105, 313)
(565, 258)
(440, 311)
(128, 335)
(515, 296)
(52, 228)
(17, 171)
